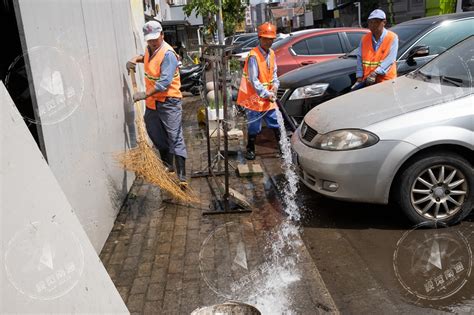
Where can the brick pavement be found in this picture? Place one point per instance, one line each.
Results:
(169, 258)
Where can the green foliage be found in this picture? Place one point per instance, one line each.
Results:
(233, 12)
(234, 65)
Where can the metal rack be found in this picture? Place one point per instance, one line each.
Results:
(218, 56)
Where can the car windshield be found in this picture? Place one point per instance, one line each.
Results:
(405, 33)
(454, 67)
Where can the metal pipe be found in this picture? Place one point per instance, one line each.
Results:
(357, 4)
(225, 125)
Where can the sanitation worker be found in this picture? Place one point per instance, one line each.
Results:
(377, 52)
(163, 98)
(258, 86)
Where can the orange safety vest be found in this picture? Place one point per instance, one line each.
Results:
(247, 96)
(372, 59)
(152, 74)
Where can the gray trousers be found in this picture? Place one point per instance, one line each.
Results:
(165, 128)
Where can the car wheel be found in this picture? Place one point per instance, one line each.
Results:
(437, 189)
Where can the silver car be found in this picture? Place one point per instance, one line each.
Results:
(410, 140)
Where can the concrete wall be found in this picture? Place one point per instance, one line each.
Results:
(47, 263)
(76, 51)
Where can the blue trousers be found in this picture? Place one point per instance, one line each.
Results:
(165, 128)
(254, 121)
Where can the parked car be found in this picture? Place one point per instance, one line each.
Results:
(238, 38)
(315, 45)
(242, 53)
(246, 45)
(419, 41)
(410, 140)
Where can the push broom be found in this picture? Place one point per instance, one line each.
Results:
(143, 160)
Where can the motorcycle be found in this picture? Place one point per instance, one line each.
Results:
(192, 78)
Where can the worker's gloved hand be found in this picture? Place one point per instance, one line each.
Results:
(131, 66)
(371, 78)
(275, 89)
(138, 96)
(272, 97)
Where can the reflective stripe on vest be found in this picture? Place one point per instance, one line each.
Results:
(372, 59)
(247, 96)
(152, 74)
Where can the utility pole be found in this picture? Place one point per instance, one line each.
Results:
(220, 23)
(357, 4)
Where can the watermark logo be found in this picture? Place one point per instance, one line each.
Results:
(432, 264)
(237, 272)
(44, 261)
(56, 79)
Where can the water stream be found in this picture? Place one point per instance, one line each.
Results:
(284, 243)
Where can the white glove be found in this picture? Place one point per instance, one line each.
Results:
(371, 78)
(272, 97)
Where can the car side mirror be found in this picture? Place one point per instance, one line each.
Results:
(418, 51)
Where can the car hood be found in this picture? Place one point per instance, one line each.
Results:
(362, 108)
(317, 72)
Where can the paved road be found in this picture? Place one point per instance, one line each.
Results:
(353, 246)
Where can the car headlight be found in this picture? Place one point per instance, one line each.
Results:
(307, 91)
(348, 139)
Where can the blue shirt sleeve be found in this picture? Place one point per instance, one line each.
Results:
(359, 71)
(392, 56)
(276, 82)
(253, 78)
(167, 70)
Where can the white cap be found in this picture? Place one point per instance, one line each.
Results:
(377, 14)
(152, 30)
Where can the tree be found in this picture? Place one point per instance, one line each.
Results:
(233, 12)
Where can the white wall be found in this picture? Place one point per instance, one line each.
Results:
(177, 13)
(77, 50)
(47, 263)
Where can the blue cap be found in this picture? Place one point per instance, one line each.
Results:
(377, 14)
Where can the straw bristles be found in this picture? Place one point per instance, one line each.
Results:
(143, 160)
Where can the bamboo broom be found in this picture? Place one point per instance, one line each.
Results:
(143, 160)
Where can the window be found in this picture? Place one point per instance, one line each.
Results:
(324, 45)
(447, 35)
(354, 39)
(444, 70)
(300, 48)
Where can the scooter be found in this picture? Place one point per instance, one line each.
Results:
(192, 78)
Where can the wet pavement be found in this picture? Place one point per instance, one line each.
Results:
(169, 258)
(374, 261)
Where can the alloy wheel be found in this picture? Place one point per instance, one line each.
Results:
(439, 192)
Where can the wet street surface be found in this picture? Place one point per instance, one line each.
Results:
(354, 247)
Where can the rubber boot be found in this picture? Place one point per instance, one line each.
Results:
(250, 154)
(167, 159)
(278, 137)
(181, 170)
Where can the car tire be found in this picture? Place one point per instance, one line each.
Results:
(427, 194)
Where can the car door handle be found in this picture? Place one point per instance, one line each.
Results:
(307, 62)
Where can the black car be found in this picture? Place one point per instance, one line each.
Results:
(238, 39)
(419, 41)
(246, 45)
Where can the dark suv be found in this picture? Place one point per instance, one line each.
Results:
(419, 41)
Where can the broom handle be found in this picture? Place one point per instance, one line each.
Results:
(134, 81)
(139, 117)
